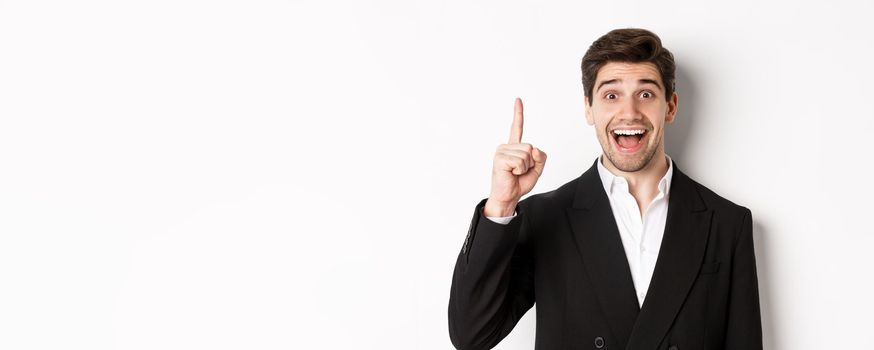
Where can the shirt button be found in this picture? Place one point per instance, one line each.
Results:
(643, 249)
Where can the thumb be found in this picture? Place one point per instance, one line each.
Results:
(539, 160)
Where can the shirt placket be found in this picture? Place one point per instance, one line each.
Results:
(637, 233)
(643, 251)
(634, 227)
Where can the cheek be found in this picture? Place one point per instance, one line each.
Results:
(600, 117)
(602, 114)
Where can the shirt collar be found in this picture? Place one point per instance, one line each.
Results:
(608, 179)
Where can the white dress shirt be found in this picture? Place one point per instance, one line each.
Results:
(641, 237)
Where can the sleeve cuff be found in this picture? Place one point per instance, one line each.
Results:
(502, 219)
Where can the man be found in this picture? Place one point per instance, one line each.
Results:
(632, 254)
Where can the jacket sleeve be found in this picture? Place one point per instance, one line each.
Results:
(744, 325)
(493, 282)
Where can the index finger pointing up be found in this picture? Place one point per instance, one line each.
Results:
(516, 129)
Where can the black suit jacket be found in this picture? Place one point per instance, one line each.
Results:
(563, 251)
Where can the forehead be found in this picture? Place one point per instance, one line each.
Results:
(628, 73)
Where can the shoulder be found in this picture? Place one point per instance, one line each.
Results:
(733, 217)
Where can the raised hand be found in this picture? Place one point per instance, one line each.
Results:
(515, 170)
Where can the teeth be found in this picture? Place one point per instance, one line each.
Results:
(628, 132)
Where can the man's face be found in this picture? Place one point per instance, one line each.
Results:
(630, 96)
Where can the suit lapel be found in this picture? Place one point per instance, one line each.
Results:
(687, 228)
(600, 247)
(597, 240)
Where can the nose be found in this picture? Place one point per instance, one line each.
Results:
(630, 110)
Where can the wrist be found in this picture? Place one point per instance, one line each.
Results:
(499, 209)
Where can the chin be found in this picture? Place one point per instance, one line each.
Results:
(630, 163)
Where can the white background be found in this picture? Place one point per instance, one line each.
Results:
(300, 174)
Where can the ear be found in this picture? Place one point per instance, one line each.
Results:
(589, 118)
(673, 104)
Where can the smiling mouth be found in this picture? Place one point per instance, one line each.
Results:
(629, 143)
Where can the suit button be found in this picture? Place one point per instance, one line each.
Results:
(599, 342)
(673, 347)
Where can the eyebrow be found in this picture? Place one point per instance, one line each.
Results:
(641, 81)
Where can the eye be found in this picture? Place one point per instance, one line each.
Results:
(610, 94)
(646, 94)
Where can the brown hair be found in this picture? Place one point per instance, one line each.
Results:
(628, 45)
